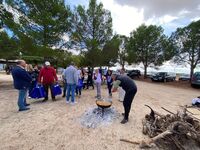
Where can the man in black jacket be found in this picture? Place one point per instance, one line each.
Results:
(130, 89)
(90, 80)
(22, 81)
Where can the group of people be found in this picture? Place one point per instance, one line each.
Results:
(73, 78)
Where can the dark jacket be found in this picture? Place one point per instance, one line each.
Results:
(127, 83)
(21, 78)
(108, 78)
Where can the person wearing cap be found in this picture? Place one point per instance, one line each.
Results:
(22, 81)
(47, 77)
(130, 88)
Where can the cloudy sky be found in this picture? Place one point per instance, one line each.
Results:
(129, 14)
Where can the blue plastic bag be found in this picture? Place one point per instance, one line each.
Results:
(38, 92)
(56, 89)
(80, 83)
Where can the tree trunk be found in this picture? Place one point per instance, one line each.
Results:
(192, 66)
(145, 71)
(123, 66)
(191, 71)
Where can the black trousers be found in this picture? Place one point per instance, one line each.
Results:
(64, 89)
(46, 88)
(128, 98)
(109, 85)
(90, 83)
(78, 91)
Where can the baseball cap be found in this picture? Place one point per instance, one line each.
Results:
(47, 63)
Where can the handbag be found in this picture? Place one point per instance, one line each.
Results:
(56, 89)
(38, 92)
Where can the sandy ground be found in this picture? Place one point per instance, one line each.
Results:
(56, 125)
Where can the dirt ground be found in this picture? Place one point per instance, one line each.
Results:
(56, 125)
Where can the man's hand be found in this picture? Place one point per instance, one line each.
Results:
(114, 89)
(116, 85)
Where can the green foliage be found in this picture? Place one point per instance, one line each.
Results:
(43, 22)
(147, 44)
(38, 26)
(8, 47)
(186, 43)
(110, 52)
(92, 28)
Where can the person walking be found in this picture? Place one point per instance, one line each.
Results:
(22, 81)
(97, 79)
(47, 77)
(80, 83)
(90, 80)
(109, 82)
(34, 75)
(71, 78)
(130, 88)
(83, 77)
(64, 83)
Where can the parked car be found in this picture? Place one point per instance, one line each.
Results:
(164, 76)
(134, 73)
(184, 77)
(195, 81)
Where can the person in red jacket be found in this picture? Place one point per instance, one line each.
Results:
(48, 77)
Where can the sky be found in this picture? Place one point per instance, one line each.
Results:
(127, 15)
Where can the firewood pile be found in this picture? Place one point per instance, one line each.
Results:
(174, 131)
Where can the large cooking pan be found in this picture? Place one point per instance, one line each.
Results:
(103, 104)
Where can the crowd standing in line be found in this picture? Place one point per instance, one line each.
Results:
(26, 77)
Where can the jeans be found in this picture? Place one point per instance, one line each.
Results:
(71, 89)
(22, 99)
(98, 85)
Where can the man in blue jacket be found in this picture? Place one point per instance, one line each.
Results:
(22, 81)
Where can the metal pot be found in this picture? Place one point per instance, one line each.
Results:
(103, 104)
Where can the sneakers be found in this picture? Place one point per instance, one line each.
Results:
(23, 109)
(98, 97)
(73, 103)
(124, 121)
(67, 102)
(44, 100)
